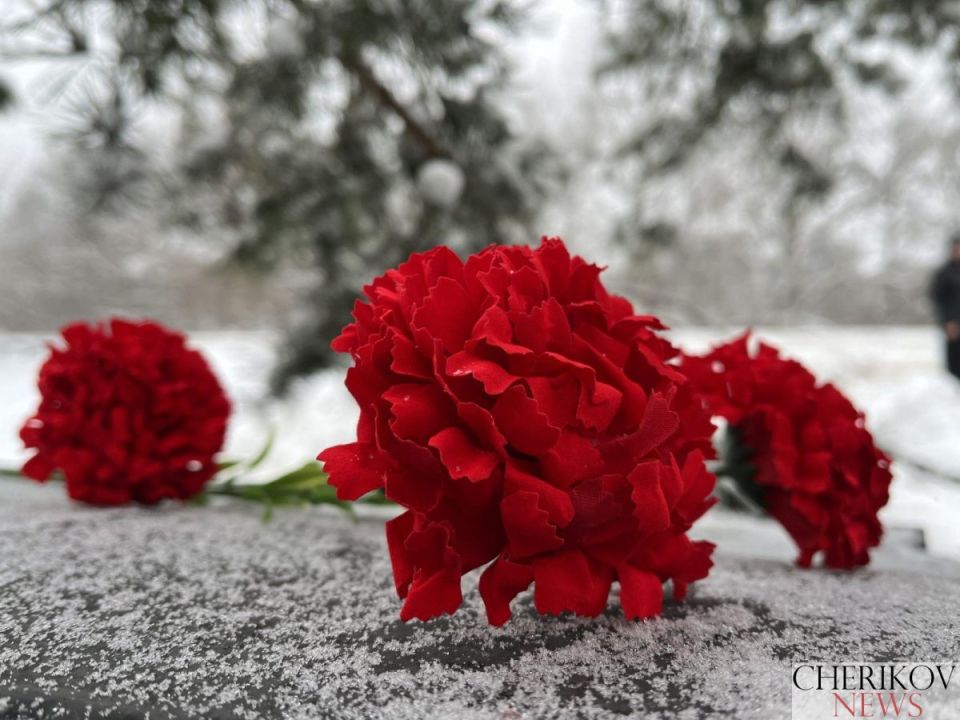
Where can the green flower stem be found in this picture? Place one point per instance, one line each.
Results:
(307, 485)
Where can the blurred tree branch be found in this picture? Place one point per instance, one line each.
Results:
(431, 145)
(766, 86)
(292, 147)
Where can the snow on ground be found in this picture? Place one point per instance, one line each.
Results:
(114, 613)
(892, 373)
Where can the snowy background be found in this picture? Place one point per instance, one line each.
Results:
(820, 219)
(859, 252)
(893, 374)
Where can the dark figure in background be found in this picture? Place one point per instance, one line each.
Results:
(945, 293)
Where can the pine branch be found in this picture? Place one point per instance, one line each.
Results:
(39, 54)
(55, 9)
(368, 80)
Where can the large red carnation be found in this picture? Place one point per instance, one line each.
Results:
(815, 467)
(127, 413)
(527, 419)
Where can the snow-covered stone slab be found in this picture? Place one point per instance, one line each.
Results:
(184, 612)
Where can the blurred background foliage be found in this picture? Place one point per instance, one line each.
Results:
(252, 163)
(780, 88)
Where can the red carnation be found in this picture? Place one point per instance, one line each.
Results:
(127, 412)
(527, 419)
(813, 465)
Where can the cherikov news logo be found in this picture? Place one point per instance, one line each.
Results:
(883, 691)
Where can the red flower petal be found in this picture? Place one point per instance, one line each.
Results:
(565, 582)
(557, 397)
(650, 505)
(698, 483)
(572, 459)
(38, 468)
(521, 422)
(525, 290)
(447, 313)
(641, 593)
(435, 589)
(554, 262)
(484, 427)
(528, 527)
(494, 378)
(597, 410)
(398, 530)
(500, 583)
(416, 479)
(554, 501)
(354, 469)
(495, 330)
(544, 328)
(435, 595)
(461, 457)
(696, 566)
(407, 360)
(658, 423)
(419, 411)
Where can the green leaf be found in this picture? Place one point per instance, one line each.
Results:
(376, 498)
(348, 509)
(306, 476)
(262, 455)
(305, 485)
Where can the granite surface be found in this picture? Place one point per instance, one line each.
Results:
(183, 612)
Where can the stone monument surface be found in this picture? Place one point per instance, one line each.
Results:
(183, 612)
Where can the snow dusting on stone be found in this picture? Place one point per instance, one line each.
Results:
(208, 612)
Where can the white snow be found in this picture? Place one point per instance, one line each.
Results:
(283, 38)
(208, 612)
(893, 373)
(441, 182)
